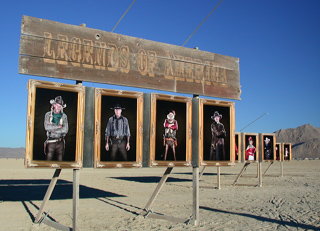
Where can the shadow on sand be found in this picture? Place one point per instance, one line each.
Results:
(284, 223)
(31, 190)
(151, 179)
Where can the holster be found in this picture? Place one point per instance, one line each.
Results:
(45, 147)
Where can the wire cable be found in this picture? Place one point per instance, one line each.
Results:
(202, 23)
(254, 121)
(123, 15)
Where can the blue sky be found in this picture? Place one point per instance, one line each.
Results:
(277, 42)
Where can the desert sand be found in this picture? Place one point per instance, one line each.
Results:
(112, 199)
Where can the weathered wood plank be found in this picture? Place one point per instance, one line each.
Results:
(72, 52)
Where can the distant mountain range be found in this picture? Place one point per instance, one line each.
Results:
(16, 153)
(305, 141)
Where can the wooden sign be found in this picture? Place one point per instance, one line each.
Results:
(58, 50)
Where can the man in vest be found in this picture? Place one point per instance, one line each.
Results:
(117, 134)
(56, 125)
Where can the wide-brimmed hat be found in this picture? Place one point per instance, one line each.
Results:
(215, 115)
(267, 139)
(58, 100)
(171, 111)
(117, 106)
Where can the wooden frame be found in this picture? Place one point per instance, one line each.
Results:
(207, 108)
(278, 151)
(40, 94)
(238, 148)
(160, 105)
(133, 102)
(245, 143)
(264, 147)
(286, 147)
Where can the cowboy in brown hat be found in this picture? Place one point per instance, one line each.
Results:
(217, 151)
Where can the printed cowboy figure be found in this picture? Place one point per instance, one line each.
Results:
(251, 150)
(56, 125)
(170, 134)
(117, 134)
(286, 154)
(267, 149)
(217, 151)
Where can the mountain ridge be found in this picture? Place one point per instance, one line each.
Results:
(305, 140)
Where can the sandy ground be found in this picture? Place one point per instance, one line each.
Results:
(112, 199)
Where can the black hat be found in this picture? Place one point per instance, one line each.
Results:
(58, 100)
(215, 115)
(117, 106)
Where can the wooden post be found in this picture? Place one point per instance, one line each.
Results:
(158, 188)
(259, 174)
(195, 212)
(218, 177)
(48, 194)
(76, 174)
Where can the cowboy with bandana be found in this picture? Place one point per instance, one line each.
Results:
(56, 125)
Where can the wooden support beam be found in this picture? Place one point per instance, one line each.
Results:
(76, 174)
(244, 168)
(218, 178)
(195, 212)
(158, 188)
(260, 174)
(55, 225)
(271, 163)
(48, 194)
(202, 171)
